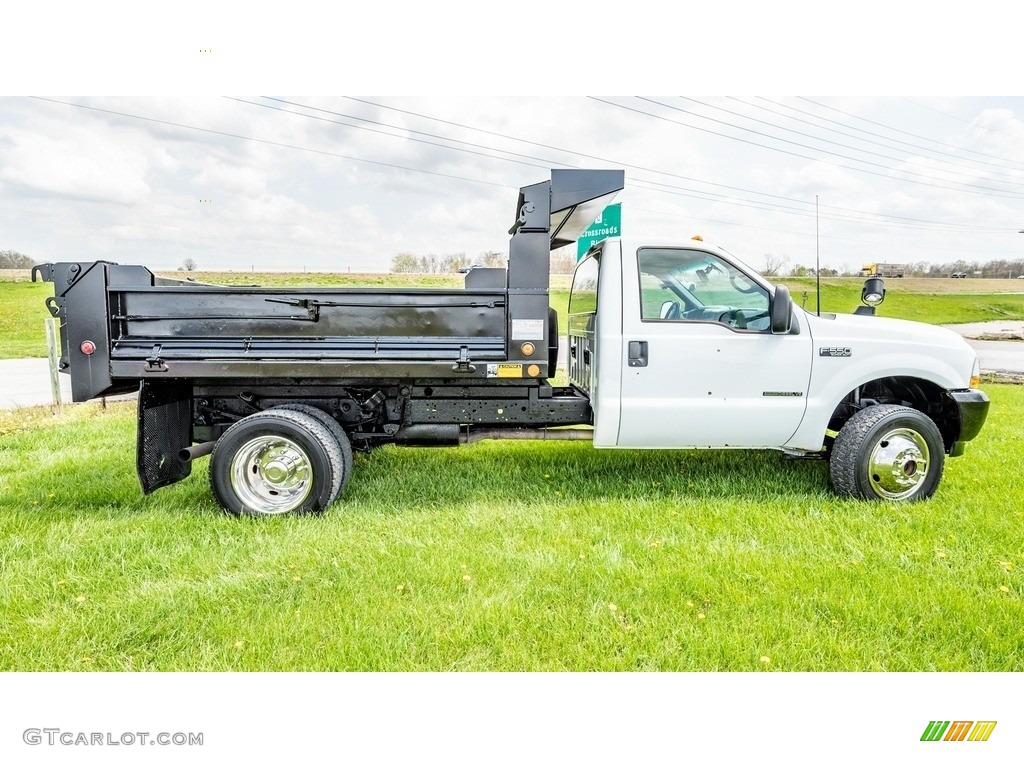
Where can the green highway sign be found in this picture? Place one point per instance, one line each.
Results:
(608, 224)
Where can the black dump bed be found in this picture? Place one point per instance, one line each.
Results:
(122, 324)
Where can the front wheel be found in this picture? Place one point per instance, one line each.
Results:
(887, 452)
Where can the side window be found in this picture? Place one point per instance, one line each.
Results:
(583, 298)
(687, 285)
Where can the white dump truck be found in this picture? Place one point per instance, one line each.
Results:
(670, 345)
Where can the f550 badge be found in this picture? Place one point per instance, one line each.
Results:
(835, 352)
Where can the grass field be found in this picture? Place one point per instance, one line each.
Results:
(937, 301)
(22, 318)
(508, 556)
(930, 301)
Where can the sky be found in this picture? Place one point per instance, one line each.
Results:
(245, 155)
(343, 183)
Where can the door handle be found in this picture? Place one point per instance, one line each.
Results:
(637, 357)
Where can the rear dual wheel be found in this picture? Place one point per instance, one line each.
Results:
(288, 460)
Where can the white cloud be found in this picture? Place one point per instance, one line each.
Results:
(74, 161)
(218, 176)
(1002, 131)
(814, 178)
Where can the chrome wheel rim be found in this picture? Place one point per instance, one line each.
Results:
(271, 475)
(898, 464)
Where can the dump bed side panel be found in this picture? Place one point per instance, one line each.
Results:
(169, 330)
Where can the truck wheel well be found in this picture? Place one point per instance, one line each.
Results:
(925, 396)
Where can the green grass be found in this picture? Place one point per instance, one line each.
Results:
(508, 556)
(23, 318)
(927, 301)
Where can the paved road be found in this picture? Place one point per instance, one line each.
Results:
(1001, 347)
(27, 382)
(999, 355)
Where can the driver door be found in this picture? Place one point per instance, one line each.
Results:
(700, 365)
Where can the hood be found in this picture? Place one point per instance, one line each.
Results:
(870, 327)
(917, 346)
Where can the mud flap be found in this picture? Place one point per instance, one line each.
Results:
(165, 427)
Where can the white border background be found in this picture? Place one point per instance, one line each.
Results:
(512, 719)
(834, 719)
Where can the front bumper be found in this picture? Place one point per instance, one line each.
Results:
(972, 407)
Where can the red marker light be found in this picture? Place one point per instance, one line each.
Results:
(88, 347)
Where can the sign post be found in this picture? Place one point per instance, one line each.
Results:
(53, 349)
(608, 224)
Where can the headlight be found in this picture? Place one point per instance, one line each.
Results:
(976, 373)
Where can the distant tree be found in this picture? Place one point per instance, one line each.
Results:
(773, 265)
(800, 270)
(188, 265)
(453, 262)
(563, 260)
(429, 264)
(15, 260)
(493, 259)
(405, 262)
(998, 268)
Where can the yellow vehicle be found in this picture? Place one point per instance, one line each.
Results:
(883, 270)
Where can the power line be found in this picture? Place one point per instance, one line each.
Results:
(936, 111)
(929, 226)
(972, 175)
(385, 133)
(691, 192)
(617, 163)
(808, 235)
(271, 143)
(433, 119)
(889, 143)
(899, 130)
(970, 187)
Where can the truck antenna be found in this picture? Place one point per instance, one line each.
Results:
(817, 258)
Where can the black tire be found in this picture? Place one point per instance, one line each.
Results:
(338, 432)
(276, 462)
(887, 452)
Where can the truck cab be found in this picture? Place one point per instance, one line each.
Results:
(684, 346)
